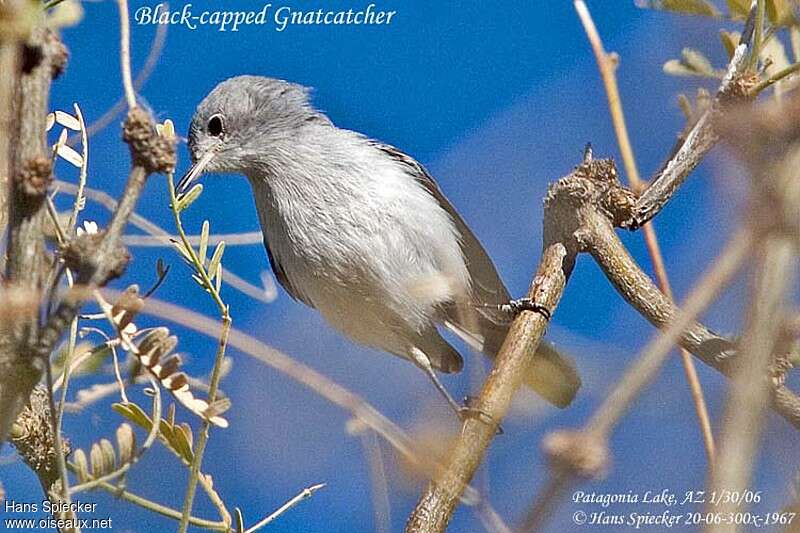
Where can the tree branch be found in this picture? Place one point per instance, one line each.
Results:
(41, 56)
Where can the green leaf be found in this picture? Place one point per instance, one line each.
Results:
(686, 7)
(730, 40)
(134, 413)
(780, 12)
(738, 8)
(92, 364)
(173, 436)
(691, 63)
(203, 242)
(216, 259)
(188, 199)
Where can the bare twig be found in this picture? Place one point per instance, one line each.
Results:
(156, 47)
(304, 494)
(693, 146)
(607, 66)
(380, 486)
(125, 53)
(679, 327)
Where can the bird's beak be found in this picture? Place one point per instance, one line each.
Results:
(195, 171)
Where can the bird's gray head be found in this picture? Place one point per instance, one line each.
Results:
(241, 120)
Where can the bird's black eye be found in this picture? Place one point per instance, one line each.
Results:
(215, 128)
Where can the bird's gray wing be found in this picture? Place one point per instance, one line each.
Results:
(550, 373)
(282, 278)
(487, 287)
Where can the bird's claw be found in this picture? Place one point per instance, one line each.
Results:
(468, 410)
(515, 307)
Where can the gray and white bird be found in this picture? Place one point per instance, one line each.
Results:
(360, 231)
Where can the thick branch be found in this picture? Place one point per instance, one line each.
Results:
(30, 172)
(436, 506)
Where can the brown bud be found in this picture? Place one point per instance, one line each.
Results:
(148, 149)
(34, 178)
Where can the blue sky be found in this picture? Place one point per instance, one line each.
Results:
(497, 99)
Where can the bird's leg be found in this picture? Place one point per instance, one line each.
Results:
(462, 411)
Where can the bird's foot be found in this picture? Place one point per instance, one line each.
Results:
(468, 410)
(515, 307)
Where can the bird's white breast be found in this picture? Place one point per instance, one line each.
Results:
(359, 237)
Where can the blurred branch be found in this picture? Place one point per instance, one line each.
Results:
(770, 147)
(750, 386)
(607, 64)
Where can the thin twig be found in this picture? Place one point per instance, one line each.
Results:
(150, 505)
(125, 53)
(607, 67)
(200, 269)
(78, 204)
(304, 494)
(380, 487)
(156, 47)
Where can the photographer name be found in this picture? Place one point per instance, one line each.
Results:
(278, 17)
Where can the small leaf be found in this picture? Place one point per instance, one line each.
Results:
(182, 251)
(126, 443)
(50, 121)
(673, 67)
(81, 465)
(70, 155)
(161, 268)
(218, 278)
(730, 40)
(780, 12)
(697, 61)
(686, 7)
(135, 414)
(67, 120)
(201, 254)
(185, 200)
(97, 461)
(739, 8)
(216, 259)
(109, 457)
(686, 107)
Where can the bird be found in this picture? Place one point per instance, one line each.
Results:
(360, 231)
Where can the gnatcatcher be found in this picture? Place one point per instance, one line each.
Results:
(361, 232)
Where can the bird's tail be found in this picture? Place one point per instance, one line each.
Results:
(550, 373)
